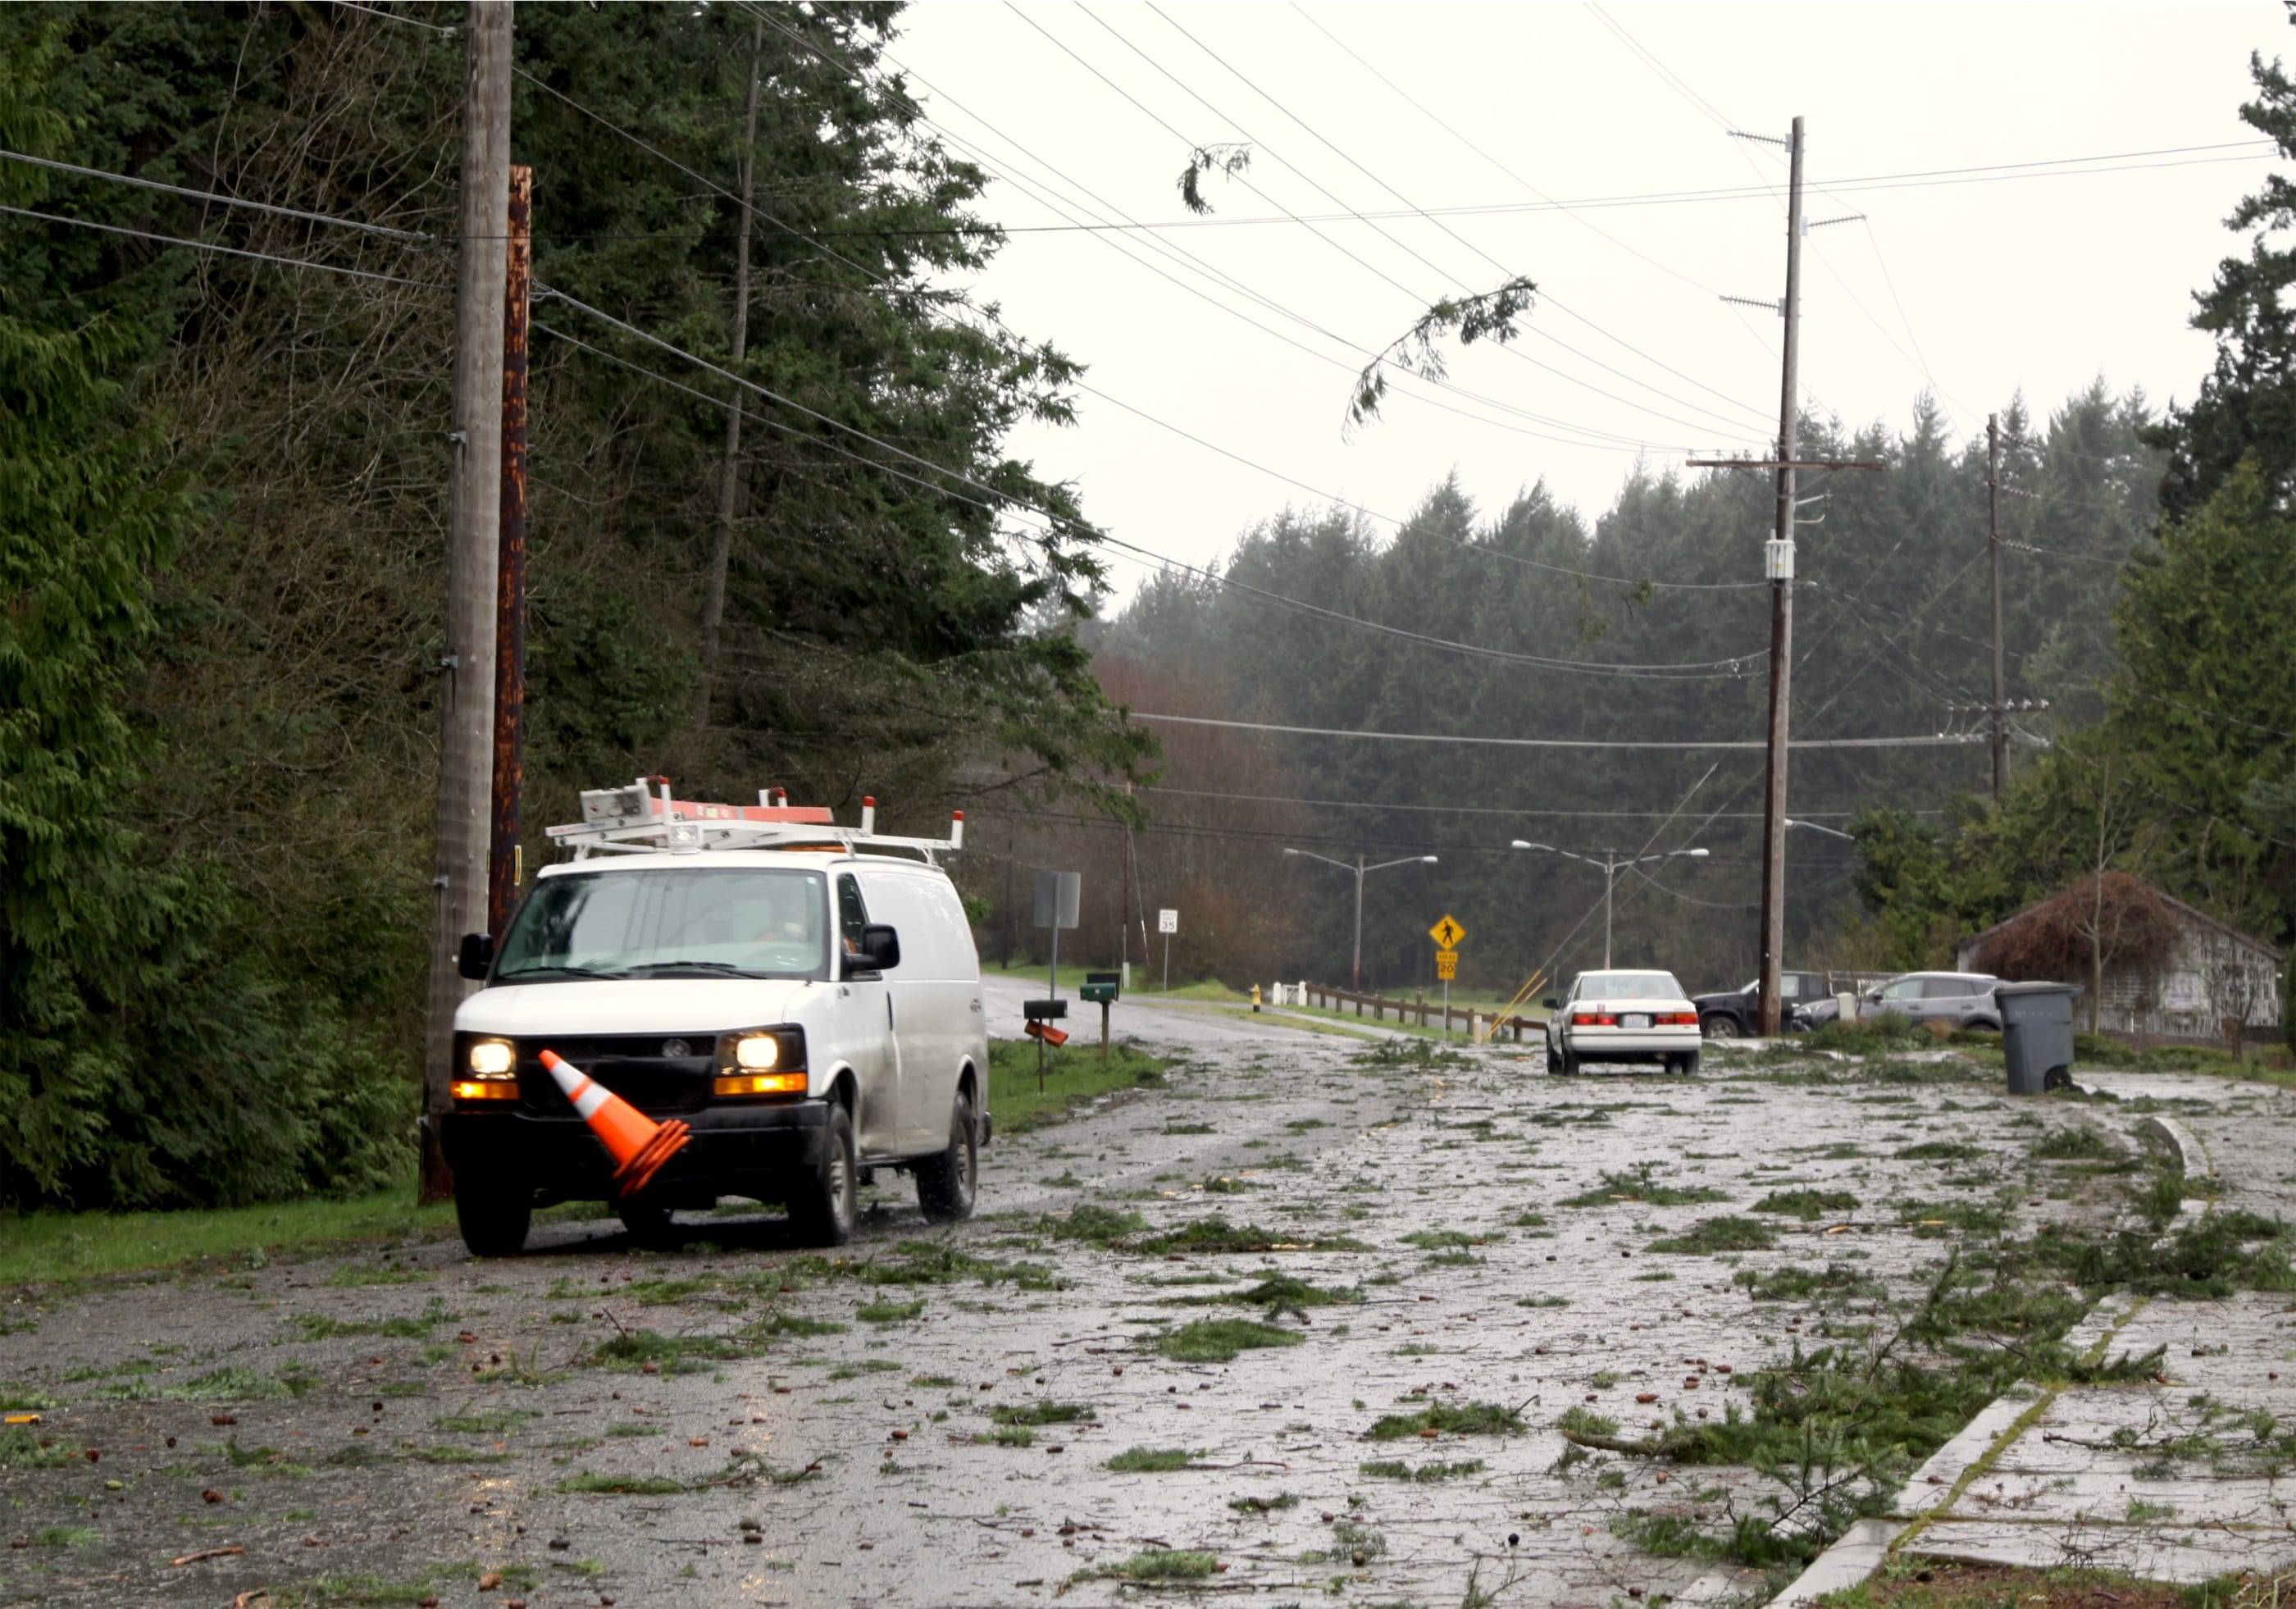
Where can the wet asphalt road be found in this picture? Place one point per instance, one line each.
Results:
(929, 1417)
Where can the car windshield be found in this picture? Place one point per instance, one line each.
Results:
(750, 921)
(1639, 986)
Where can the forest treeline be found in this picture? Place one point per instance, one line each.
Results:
(1658, 606)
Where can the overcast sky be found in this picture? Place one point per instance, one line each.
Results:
(1975, 289)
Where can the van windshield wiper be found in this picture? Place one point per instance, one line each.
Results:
(722, 968)
(552, 971)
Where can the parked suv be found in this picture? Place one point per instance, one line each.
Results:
(1963, 999)
(809, 1011)
(1738, 1012)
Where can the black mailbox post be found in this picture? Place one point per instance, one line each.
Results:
(1101, 988)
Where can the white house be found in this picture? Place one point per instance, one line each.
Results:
(2212, 974)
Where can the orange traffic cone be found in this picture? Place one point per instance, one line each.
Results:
(637, 1143)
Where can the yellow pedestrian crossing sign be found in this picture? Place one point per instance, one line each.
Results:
(1446, 933)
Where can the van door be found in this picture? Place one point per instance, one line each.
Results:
(933, 1002)
(864, 1028)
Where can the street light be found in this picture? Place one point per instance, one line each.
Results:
(1611, 862)
(1829, 831)
(1355, 971)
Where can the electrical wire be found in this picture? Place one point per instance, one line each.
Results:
(1483, 210)
(1699, 670)
(1262, 146)
(374, 11)
(832, 58)
(1700, 744)
(200, 245)
(1373, 804)
(1416, 211)
(217, 197)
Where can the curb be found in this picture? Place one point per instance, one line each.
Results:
(1866, 1546)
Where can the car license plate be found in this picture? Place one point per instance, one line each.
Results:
(1634, 1020)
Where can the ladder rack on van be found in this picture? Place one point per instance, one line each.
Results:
(643, 818)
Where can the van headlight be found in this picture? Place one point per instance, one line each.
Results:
(761, 1060)
(492, 1059)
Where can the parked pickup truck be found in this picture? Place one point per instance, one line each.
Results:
(1739, 1011)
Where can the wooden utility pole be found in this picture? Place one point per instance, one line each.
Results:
(503, 860)
(465, 704)
(1780, 569)
(1993, 543)
(721, 551)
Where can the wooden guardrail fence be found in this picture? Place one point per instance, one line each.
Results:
(1427, 1014)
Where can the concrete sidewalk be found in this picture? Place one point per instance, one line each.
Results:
(2181, 1478)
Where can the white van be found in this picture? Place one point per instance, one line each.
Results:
(805, 997)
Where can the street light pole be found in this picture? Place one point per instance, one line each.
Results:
(1355, 966)
(1813, 827)
(1609, 900)
(1612, 862)
(1358, 871)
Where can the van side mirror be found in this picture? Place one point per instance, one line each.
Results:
(880, 951)
(476, 957)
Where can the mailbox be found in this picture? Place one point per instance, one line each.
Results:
(1100, 988)
(1044, 1011)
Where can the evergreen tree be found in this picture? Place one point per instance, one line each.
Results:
(2246, 406)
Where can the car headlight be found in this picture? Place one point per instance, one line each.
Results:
(492, 1059)
(758, 1052)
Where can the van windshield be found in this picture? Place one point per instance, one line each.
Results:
(747, 921)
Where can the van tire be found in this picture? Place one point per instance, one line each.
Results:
(493, 1216)
(824, 1208)
(649, 1223)
(948, 1182)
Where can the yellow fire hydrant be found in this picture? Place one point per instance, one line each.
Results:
(1255, 997)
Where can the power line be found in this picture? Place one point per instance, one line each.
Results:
(200, 245)
(1390, 520)
(1947, 740)
(1201, 265)
(374, 11)
(1371, 215)
(1418, 212)
(1699, 670)
(1373, 804)
(1210, 271)
(217, 197)
(1418, 300)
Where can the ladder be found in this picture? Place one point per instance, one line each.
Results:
(646, 818)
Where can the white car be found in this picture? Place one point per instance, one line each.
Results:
(809, 1011)
(1622, 1017)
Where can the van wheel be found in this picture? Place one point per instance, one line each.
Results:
(824, 1209)
(649, 1223)
(945, 1183)
(493, 1216)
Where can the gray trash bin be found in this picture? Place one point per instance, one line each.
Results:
(2037, 1033)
